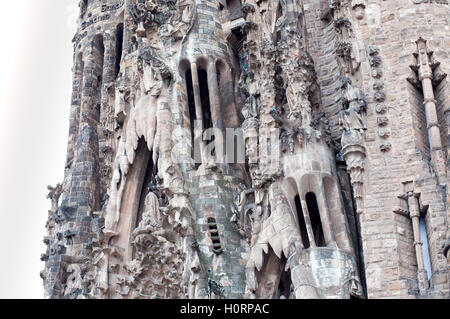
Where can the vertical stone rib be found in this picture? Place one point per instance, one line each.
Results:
(213, 87)
(110, 61)
(434, 133)
(198, 129)
(216, 110)
(414, 213)
(309, 229)
(127, 31)
(325, 216)
(77, 83)
(85, 181)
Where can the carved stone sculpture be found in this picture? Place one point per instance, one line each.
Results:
(352, 122)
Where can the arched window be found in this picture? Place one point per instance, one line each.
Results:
(316, 223)
(302, 223)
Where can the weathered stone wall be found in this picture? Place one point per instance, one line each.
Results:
(394, 27)
(344, 112)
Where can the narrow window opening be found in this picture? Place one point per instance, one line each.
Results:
(302, 223)
(425, 245)
(119, 47)
(204, 97)
(214, 234)
(280, 88)
(316, 223)
(206, 107)
(195, 147)
(99, 58)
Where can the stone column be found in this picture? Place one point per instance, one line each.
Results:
(414, 214)
(107, 107)
(198, 129)
(309, 229)
(324, 210)
(214, 98)
(77, 84)
(127, 32)
(109, 69)
(84, 186)
(303, 281)
(84, 196)
(434, 133)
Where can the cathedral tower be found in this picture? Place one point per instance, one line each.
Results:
(255, 149)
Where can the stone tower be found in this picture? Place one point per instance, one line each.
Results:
(255, 149)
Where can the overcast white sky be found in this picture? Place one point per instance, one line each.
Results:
(35, 89)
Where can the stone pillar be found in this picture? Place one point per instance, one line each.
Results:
(216, 109)
(303, 281)
(198, 129)
(127, 22)
(214, 96)
(414, 214)
(434, 133)
(85, 181)
(107, 107)
(109, 69)
(77, 84)
(84, 196)
(309, 229)
(324, 210)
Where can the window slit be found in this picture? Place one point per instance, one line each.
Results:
(215, 237)
(425, 246)
(119, 48)
(316, 223)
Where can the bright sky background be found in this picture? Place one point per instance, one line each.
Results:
(35, 90)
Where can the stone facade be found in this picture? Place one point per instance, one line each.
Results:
(285, 149)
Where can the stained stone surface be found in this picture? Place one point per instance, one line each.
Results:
(342, 111)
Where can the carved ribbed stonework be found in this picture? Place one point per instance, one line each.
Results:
(255, 149)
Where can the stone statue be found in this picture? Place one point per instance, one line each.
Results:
(354, 104)
(292, 133)
(150, 223)
(352, 122)
(142, 16)
(122, 97)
